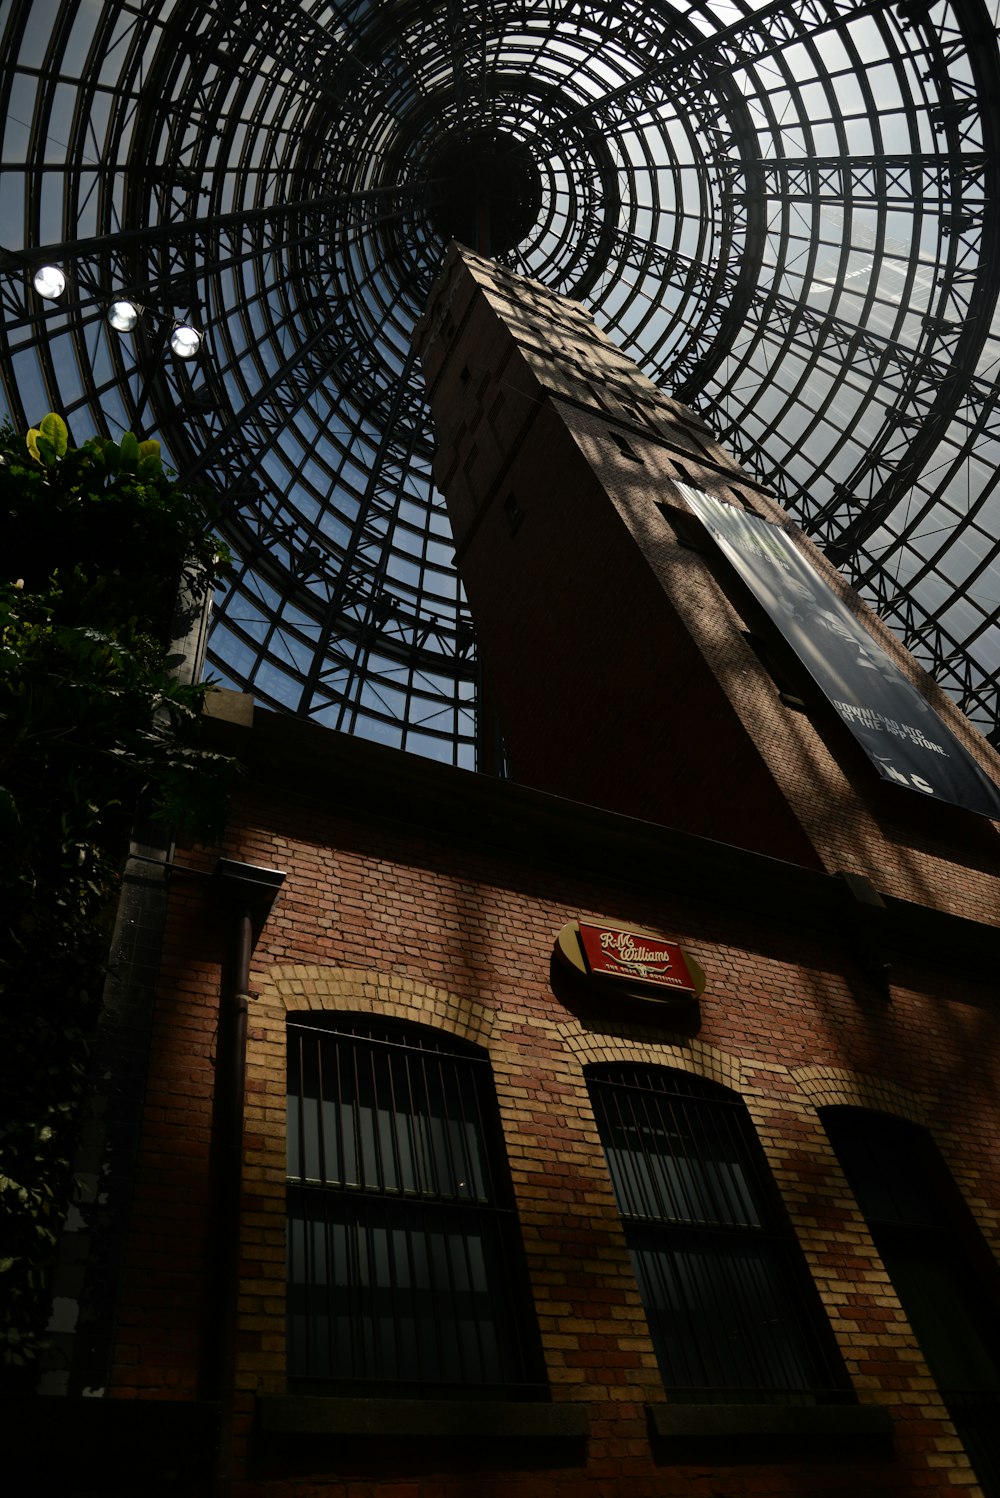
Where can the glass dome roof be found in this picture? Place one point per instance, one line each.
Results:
(785, 212)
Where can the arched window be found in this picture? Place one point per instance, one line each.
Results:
(940, 1267)
(406, 1271)
(732, 1311)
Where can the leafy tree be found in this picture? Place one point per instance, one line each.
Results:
(95, 542)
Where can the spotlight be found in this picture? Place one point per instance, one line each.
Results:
(124, 316)
(49, 282)
(185, 340)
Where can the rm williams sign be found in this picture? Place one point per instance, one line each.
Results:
(900, 733)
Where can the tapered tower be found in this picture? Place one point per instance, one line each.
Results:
(658, 637)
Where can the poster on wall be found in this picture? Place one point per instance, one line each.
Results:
(899, 731)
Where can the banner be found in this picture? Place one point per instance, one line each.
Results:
(899, 731)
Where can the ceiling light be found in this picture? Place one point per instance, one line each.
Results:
(49, 282)
(185, 340)
(124, 316)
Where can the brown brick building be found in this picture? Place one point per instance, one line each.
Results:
(549, 1231)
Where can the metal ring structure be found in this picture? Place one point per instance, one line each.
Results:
(785, 210)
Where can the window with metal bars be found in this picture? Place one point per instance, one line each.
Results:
(733, 1313)
(406, 1271)
(939, 1264)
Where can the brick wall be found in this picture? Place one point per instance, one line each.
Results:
(431, 927)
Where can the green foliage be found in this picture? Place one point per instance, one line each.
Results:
(111, 508)
(94, 542)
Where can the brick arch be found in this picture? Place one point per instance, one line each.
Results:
(694, 1056)
(828, 1086)
(832, 1086)
(285, 990)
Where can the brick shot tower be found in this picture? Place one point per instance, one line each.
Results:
(639, 657)
(560, 1160)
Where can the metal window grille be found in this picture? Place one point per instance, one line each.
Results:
(940, 1268)
(732, 1311)
(405, 1267)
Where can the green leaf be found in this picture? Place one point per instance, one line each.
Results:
(55, 431)
(129, 452)
(31, 441)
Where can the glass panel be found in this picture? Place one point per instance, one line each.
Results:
(720, 1313)
(876, 1154)
(381, 1292)
(677, 1168)
(384, 1120)
(942, 1306)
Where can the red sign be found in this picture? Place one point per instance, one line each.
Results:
(611, 952)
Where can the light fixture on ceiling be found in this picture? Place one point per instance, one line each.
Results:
(124, 316)
(50, 282)
(185, 341)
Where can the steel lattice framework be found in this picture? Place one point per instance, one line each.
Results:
(787, 212)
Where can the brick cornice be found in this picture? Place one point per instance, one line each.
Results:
(303, 763)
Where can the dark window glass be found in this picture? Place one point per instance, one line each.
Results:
(405, 1267)
(732, 1311)
(939, 1265)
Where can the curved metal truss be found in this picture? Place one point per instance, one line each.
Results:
(786, 212)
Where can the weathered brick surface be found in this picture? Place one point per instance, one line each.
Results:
(380, 920)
